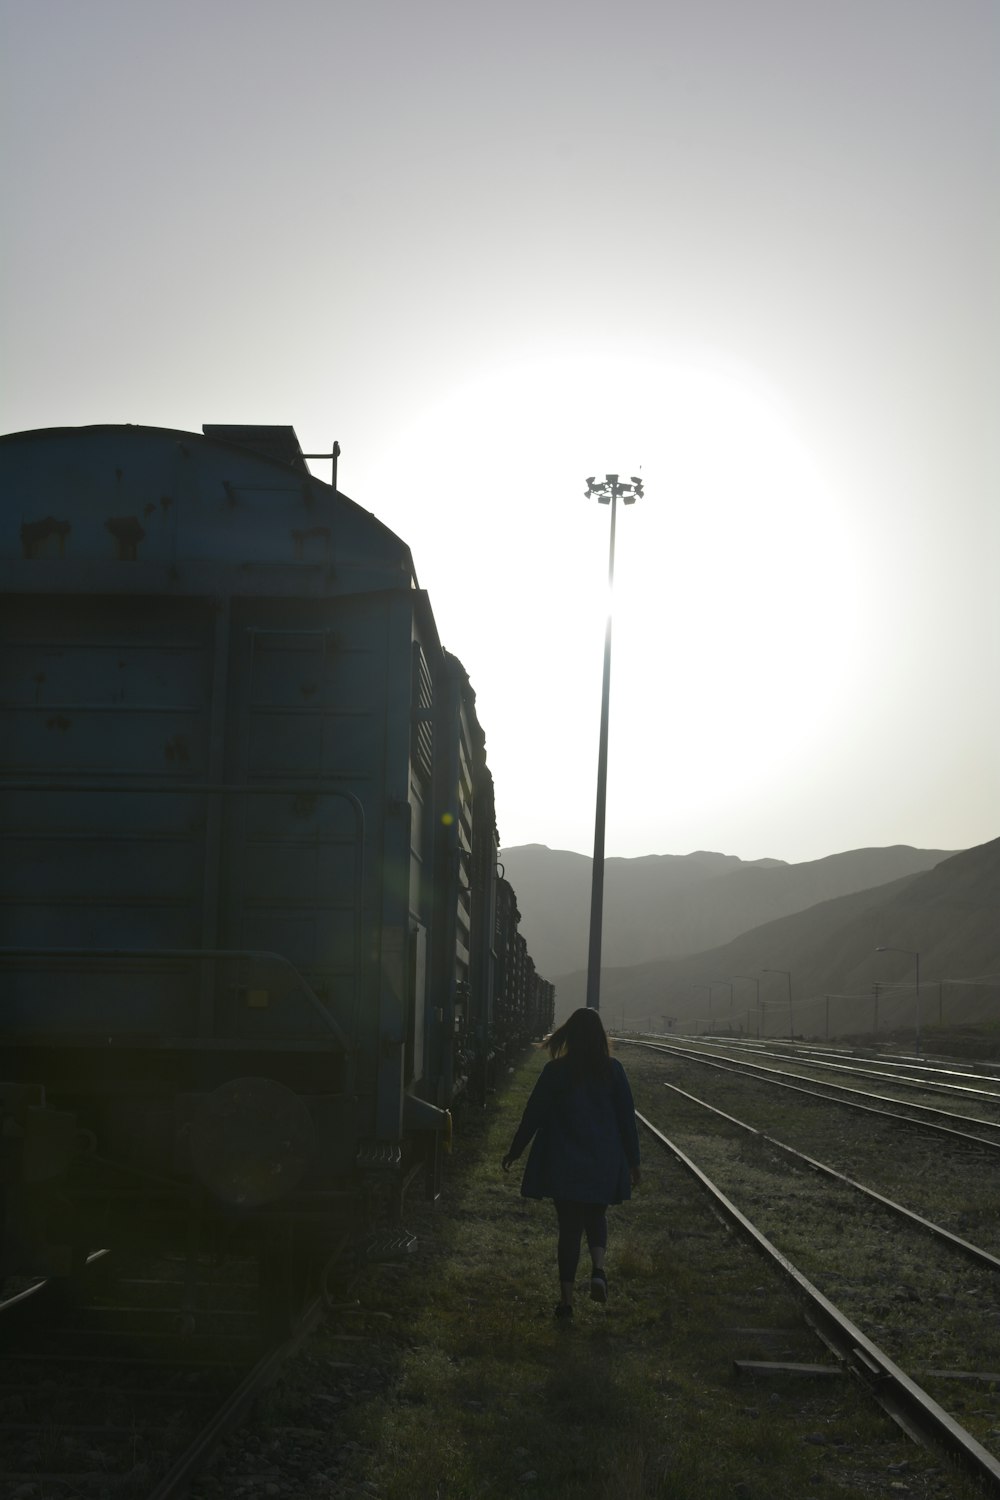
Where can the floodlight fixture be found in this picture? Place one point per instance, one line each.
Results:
(611, 488)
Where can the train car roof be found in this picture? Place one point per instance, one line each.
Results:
(236, 496)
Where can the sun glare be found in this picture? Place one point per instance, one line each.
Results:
(735, 609)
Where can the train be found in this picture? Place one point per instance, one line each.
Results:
(257, 944)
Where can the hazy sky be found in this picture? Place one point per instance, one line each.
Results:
(748, 245)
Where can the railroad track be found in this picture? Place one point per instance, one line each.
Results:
(924, 1066)
(975, 1253)
(906, 1401)
(927, 1297)
(128, 1386)
(968, 1130)
(941, 1173)
(911, 1075)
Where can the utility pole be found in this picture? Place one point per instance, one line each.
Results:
(608, 492)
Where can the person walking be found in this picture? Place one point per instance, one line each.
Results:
(585, 1151)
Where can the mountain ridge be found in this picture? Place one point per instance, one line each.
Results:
(945, 918)
(663, 906)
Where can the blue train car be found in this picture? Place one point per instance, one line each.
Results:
(524, 1003)
(248, 885)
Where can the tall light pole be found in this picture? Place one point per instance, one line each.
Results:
(791, 1028)
(913, 954)
(607, 493)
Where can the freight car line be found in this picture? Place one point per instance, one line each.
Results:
(232, 741)
(937, 1231)
(991, 1096)
(761, 1074)
(899, 1395)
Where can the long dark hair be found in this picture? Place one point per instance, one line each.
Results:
(583, 1042)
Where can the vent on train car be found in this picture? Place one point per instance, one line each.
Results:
(281, 443)
(422, 698)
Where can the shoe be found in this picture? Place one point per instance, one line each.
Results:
(563, 1310)
(598, 1286)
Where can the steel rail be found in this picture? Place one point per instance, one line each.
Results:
(43, 1289)
(770, 1075)
(176, 1483)
(955, 1241)
(991, 1096)
(941, 1067)
(31, 1303)
(892, 1388)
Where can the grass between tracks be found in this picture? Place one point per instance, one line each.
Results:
(489, 1397)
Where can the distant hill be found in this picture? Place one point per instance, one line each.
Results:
(663, 906)
(949, 915)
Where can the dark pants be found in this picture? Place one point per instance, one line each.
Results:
(575, 1219)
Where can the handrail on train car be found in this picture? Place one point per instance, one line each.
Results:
(197, 955)
(97, 783)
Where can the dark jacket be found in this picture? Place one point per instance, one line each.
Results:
(585, 1137)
